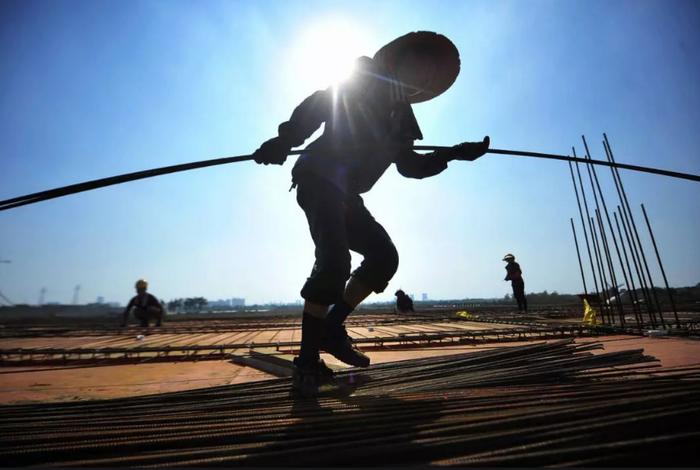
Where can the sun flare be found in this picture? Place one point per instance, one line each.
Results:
(324, 54)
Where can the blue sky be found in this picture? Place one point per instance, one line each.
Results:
(93, 89)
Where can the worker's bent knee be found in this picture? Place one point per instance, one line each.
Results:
(377, 270)
(325, 287)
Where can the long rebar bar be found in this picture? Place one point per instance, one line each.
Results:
(636, 260)
(109, 181)
(627, 220)
(583, 227)
(612, 231)
(633, 296)
(605, 296)
(611, 268)
(605, 308)
(663, 271)
(632, 288)
(637, 266)
(578, 255)
(603, 238)
(637, 238)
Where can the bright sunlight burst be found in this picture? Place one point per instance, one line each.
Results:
(325, 51)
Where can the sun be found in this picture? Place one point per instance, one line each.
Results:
(325, 51)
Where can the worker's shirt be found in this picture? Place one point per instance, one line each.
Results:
(513, 271)
(142, 302)
(366, 130)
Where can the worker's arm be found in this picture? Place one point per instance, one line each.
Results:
(415, 165)
(125, 315)
(154, 304)
(411, 164)
(306, 118)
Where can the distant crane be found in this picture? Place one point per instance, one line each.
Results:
(6, 300)
(2, 296)
(42, 294)
(76, 291)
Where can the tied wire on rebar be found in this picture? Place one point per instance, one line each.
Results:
(547, 404)
(119, 179)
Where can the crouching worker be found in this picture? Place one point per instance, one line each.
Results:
(369, 124)
(145, 306)
(404, 303)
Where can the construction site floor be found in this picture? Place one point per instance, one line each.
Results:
(33, 384)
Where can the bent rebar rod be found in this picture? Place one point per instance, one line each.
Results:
(112, 180)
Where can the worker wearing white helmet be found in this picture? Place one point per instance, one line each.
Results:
(515, 276)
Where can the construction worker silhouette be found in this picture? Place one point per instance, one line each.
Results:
(369, 124)
(404, 303)
(145, 306)
(515, 276)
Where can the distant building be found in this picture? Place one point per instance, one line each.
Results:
(424, 296)
(227, 303)
(100, 300)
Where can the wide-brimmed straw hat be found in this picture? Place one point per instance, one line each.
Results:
(434, 71)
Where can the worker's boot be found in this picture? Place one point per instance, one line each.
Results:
(336, 341)
(310, 371)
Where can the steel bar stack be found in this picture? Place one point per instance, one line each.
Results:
(535, 405)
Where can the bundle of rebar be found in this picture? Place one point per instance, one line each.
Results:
(541, 404)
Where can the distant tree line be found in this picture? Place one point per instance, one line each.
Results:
(189, 304)
(681, 295)
(545, 297)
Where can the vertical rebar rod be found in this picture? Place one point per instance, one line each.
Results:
(633, 290)
(663, 271)
(605, 306)
(611, 268)
(613, 277)
(630, 242)
(638, 239)
(612, 232)
(583, 226)
(578, 254)
(634, 251)
(637, 312)
(604, 295)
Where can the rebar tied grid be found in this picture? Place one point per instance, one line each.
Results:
(543, 404)
(138, 353)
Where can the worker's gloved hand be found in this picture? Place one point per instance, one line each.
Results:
(470, 151)
(272, 151)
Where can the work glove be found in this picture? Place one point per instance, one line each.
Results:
(272, 151)
(469, 151)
